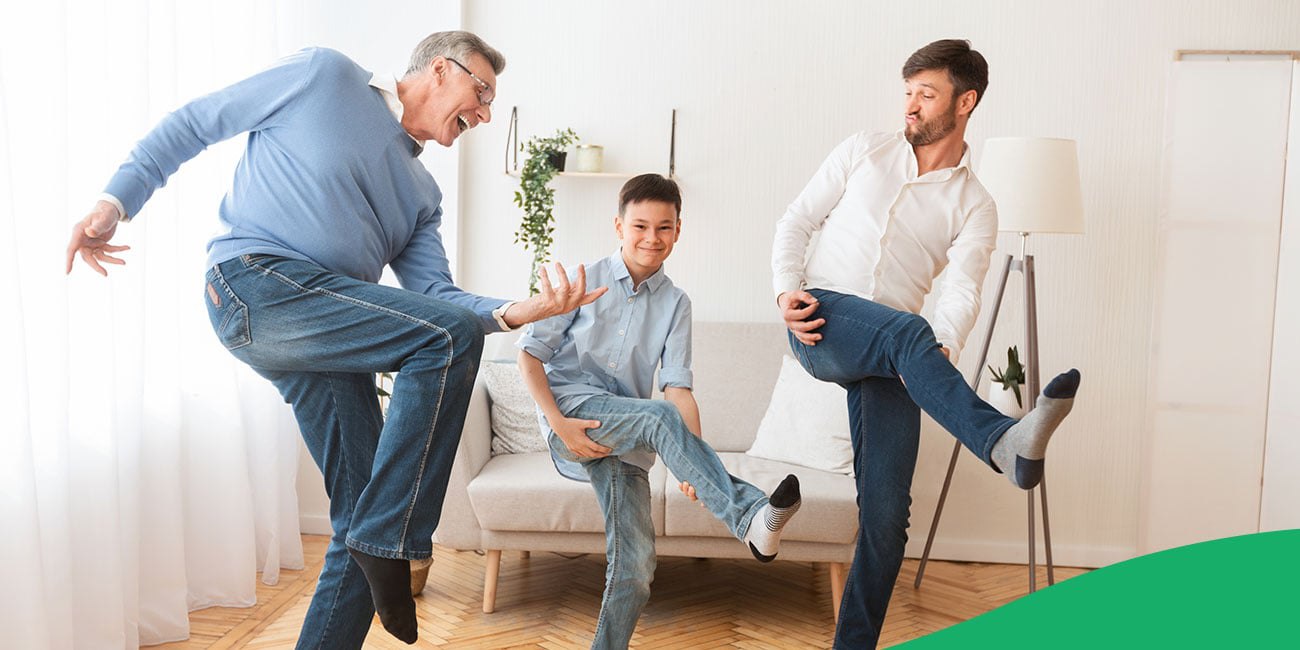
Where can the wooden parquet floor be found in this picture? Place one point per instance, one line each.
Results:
(551, 602)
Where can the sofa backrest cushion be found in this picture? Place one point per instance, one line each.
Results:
(736, 366)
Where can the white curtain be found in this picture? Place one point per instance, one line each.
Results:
(143, 471)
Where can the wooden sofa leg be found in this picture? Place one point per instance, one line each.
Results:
(490, 581)
(839, 571)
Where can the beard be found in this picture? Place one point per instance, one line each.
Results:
(932, 130)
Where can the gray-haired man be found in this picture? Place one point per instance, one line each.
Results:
(328, 192)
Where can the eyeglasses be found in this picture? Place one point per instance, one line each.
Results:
(485, 92)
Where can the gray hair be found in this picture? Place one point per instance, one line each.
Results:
(456, 45)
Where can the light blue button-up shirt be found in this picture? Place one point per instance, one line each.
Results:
(613, 346)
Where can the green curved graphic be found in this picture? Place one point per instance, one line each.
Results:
(1239, 592)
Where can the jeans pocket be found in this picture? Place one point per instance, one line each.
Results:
(227, 313)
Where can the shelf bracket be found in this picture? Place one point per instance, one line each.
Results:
(672, 148)
(512, 140)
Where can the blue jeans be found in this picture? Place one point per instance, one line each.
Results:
(866, 347)
(629, 424)
(320, 337)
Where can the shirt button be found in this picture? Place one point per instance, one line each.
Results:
(630, 299)
(612, 364)
(620, 332)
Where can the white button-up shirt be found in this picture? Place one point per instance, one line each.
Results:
(886, 233)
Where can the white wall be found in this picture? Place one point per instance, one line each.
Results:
(765, 89)
(1223, 191)
(1280, 507)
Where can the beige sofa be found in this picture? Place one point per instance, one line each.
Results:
(518, 502)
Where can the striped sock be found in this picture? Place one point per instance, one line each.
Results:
(764, 534)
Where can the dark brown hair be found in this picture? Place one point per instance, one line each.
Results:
(966, 68)
(650, 187)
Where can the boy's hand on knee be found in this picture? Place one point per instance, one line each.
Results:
(573, 433)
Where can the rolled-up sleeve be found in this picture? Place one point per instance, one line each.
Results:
(542, 339)
(675, 366)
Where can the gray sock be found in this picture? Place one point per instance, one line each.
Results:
(764, 534)
(1019, 453)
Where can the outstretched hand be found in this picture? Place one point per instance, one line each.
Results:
(561, 298)
(90, 239)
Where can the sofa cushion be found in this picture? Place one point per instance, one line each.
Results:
(806, 423)
(524, 492)
(829, 512)
(735, 366)
(514, 414)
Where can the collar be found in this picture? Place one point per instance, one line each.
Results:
(619, 268)
(387, 86)
(938, 175)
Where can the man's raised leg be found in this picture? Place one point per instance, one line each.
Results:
(300, 317)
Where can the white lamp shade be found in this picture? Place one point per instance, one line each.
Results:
(1035, 182)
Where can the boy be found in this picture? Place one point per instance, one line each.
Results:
(593, 398)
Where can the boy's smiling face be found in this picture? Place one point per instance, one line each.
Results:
(648, 230)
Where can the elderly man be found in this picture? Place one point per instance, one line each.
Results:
(895, 209)
(328, 192)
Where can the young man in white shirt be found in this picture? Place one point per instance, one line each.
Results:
(895, 209)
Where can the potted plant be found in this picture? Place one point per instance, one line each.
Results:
(1008, 400)
(537, 198)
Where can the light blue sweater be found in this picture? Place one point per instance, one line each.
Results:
(328, 176)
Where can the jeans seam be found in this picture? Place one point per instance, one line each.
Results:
(428, 442)
(338, 296)
(614, 504)
(347, 564)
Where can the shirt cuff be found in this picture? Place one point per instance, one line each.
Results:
(675, 377)
(499, 315)
(534, 347)
(786, 282)
(121, 211)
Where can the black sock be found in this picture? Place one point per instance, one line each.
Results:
(390, 589)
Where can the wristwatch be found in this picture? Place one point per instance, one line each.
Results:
(500, 315)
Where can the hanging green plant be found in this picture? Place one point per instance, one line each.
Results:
(537, 198)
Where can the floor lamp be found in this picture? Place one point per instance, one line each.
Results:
(1035, 182)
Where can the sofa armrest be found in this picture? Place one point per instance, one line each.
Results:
(458, 528)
